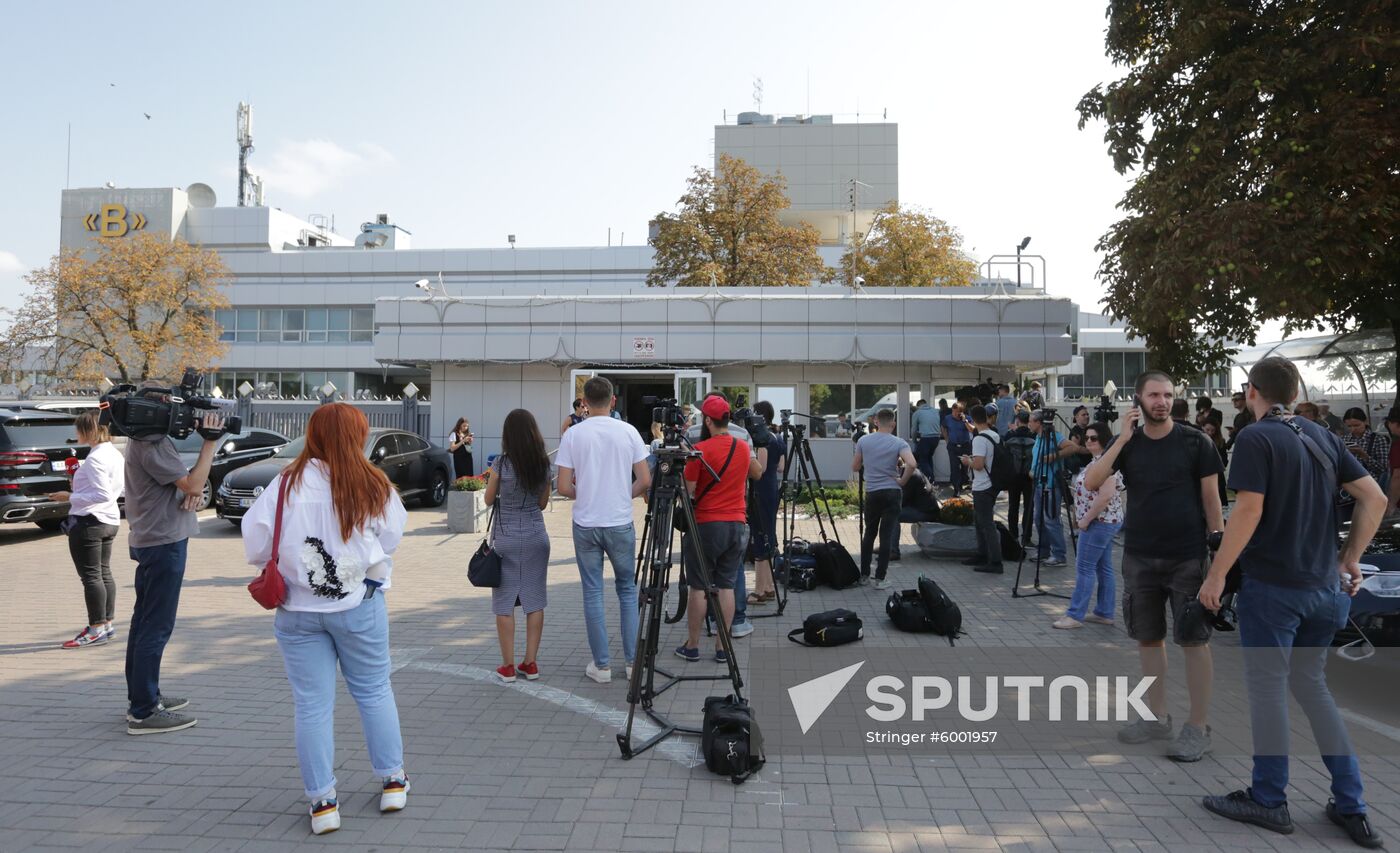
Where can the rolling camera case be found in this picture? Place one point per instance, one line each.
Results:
(730, 739)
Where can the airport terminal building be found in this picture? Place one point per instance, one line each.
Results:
(504, 328)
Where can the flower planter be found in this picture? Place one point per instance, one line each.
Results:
(466, 511)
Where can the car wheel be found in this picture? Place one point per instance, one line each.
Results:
(437, 492)
(206, 499)
(52, 525)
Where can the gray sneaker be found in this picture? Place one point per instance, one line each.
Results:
(160, 722)
(1144, 730)
(741, 629)
(1192, 742)
(165, 703)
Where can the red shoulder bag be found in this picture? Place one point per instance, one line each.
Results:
(269, 588)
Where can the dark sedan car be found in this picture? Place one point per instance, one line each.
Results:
(234, 452)
(37, 451)
(418, 468)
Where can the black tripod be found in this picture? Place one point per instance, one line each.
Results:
(667, 497)
(1048, 485)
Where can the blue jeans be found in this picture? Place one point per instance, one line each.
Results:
(1050, 539)
(924, 449)
(619, 543)
(312, 644)
(1286, 634)
(160, 570)
(1094, 563)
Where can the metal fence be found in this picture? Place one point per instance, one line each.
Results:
(289, 417)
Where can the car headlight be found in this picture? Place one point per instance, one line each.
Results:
(223, 488)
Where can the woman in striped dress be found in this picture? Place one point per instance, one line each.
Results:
(519, 490)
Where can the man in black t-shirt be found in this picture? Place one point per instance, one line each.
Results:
(1169, 472)
(1295, 594)
(1073, 449)
(1243, 418)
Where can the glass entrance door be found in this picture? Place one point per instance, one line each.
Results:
(691, 387)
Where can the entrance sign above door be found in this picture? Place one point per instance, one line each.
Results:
(644, 347)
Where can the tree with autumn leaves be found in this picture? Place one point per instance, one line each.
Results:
(908, 247)
(136, 308)
(1264, 141)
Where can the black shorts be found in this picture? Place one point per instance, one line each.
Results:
(1150, 586)
(724, 543)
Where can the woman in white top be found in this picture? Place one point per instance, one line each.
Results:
(93, 519)
(341, 522)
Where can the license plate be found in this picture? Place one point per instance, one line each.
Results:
(245, 502)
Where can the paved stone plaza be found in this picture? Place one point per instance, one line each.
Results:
(535, 766)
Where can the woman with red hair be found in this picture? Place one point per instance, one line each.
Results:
(341, 521)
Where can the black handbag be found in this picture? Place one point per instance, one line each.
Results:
(484, 569)
(678, 518)
(830, 628)
(730, 739)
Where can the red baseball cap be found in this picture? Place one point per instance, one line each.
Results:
(715, 407)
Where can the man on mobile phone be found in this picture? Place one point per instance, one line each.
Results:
(1170, 473)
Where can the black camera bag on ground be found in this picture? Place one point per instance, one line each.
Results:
(907, 611)
(835, 568)
(944, 614)
(798, 572)
(830, 628)
(729, 738)
(1011, 548)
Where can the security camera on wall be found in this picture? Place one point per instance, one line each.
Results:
(424, 285)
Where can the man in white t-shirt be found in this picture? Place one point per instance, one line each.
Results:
(984, 495)
(603, 467)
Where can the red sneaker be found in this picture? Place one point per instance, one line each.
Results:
(530, 670)
(506, 673)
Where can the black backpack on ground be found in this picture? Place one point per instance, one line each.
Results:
(797, 572)
(944, 614)
(830, 628)
(1011, 548)
(907, 611)
(1003, 474)
(729, 738)
(835, 568)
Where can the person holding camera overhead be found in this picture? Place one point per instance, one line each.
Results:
(721, 521)
(1295, 594)
(161, 496)
(341, 522)
(1169, 472)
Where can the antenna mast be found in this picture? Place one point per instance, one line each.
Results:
(249, 187)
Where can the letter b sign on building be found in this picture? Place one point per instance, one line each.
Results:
(112, 221)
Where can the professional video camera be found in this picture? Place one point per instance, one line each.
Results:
(756, 425)
(144, 412)
(667, 412)
(1048, 415)
(1106, 411)
(982, 391)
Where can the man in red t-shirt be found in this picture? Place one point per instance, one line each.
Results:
(721, 519)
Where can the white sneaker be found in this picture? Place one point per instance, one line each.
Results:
(629, 672)
(743, 629)
(325, 817)
(602, 676)
(395, 795)
(1067, 622)
(882, 583)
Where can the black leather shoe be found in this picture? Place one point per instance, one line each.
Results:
(1357, 826)
(990, 569)
(1240, 806)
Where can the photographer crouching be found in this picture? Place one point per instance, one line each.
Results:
(161, 497)
(1295, 594)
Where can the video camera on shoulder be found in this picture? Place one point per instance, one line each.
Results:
(144, 412)
(756, 425)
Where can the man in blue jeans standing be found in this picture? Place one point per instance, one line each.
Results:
(927, 434)
(1295, 595)
(161, 496)
(603, 467)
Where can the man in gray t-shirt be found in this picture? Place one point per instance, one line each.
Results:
(880, 454)
(160, 500)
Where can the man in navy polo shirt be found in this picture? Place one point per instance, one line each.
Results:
(1296, 594)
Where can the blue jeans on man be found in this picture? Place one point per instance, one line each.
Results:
(924, 449)
(1093, 564)
(1286, 634)
(1049, 532)
(160, 571)
(620, 545)
(312, 645)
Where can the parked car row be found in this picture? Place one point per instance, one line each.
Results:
(39, 451)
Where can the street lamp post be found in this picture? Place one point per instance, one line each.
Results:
(1019, 249)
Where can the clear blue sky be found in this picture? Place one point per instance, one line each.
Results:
(552, 121)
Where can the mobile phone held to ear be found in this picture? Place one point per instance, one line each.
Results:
(1137, 404)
